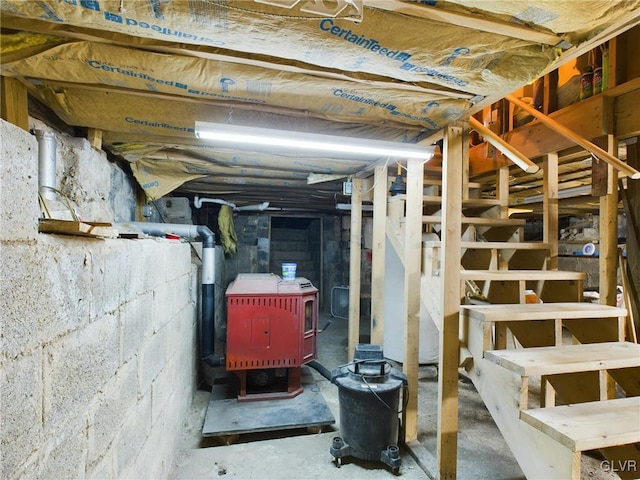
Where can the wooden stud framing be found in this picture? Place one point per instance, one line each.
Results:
(633, 237)
(94, 135)
(550, 208)
(450, 273)
(15, 108)
(608, 262)
(354, 266)
(412, 283)
(378, 254)
(550, 96)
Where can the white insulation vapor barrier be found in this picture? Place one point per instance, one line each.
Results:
(384, 43)
(212, 80)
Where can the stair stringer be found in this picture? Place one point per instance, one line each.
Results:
(539, 456)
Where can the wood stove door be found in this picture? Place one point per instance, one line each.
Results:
(309, 351)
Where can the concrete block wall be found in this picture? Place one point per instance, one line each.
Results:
(97, 342)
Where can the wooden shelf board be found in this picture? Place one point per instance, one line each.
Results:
(482, 221)
(470, 202)
(495, 245)
(83, 229)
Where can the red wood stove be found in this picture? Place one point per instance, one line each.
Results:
(271, 333)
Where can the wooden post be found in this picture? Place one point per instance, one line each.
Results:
(378, 254)
(550, 96)
(633, 240)
(94, 135)
(355, 246)
(608, 262)
(502, 194)
(15, 108)
(550, 208)
(450, 273)
(411, 304)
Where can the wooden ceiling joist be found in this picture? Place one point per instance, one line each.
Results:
(469, 21)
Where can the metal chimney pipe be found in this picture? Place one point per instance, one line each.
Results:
(46, 163)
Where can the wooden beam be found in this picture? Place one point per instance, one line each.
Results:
(473, 22)
(355, 245)
(411, 310)
(618, 164)
(608, 261)
(14, 103)
(94, 135)
(626, 109)
(378, 254)
(507, 150)
(550, 96)
(451, 292)
(550, 208)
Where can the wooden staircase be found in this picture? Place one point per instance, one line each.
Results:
(585, 377)
(579, 377)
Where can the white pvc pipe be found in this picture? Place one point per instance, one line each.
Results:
(46, 163)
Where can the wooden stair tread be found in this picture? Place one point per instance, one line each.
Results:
(495, 245)
(591, 425)
(515, 275)
(567, 358)
(540, 311)
(482, 221)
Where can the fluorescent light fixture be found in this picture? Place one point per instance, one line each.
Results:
(251, 138)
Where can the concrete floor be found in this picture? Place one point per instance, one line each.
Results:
(300, 454)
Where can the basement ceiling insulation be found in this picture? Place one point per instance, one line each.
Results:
(144, 71)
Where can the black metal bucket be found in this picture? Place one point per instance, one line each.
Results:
(369, 394)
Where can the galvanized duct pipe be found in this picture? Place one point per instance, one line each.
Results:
(207, 324)
(46, 163)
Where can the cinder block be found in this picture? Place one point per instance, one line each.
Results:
(65, 454)
(171, 298)
(104, 468)
(21, 414)
(110, 276)
(247, 258)
(76, 367)
(136, 324)
(44, 292)
(29, 468)
(182, 340)
(110, 408)
(162, 307)
(158, 451)
(133, 433)
(151, 360)
(162, 389)
(178, 259)
(19, 210)
(87, 178)
(67, 271)
(151, 264)
(122, 196)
